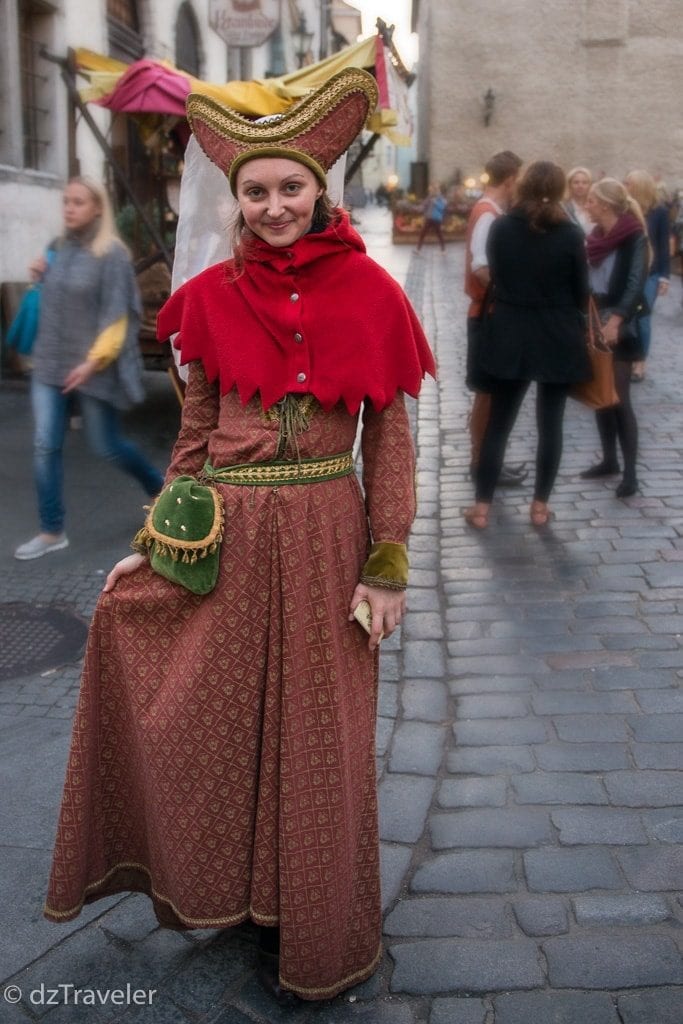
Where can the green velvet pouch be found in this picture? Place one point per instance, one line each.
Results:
(183, 533)
(387, 566)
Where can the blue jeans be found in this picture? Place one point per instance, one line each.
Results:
(645, 322)
(102, 430)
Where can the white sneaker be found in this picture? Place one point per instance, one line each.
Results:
(38, 547)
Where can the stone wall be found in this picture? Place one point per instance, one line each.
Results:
(594, 82)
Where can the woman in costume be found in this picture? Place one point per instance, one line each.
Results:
(642, 187)
(619, 259)
(87, 343)
(534, 331)
(223, 756)
(579, 181)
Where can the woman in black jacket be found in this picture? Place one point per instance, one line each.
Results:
(619, 257)
(535, 331)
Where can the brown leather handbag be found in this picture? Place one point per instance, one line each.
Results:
(599, 392)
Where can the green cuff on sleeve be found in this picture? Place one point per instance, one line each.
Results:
(387, 566)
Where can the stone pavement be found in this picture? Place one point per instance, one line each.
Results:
(530, 750)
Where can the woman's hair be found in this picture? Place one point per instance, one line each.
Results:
(323, 215)
(539, 195)
(106, 235)
(642, 187)
(615, 195)
(578, 170)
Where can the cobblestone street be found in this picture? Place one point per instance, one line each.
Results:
(530, 732)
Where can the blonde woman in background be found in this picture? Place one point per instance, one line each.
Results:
(619, 260)
(87, 343)
(579, 181)
(643, 188)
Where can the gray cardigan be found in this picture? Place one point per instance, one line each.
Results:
(81, 295)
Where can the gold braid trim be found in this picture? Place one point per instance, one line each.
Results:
(293, 414)
(188, 551)
(380, 581)
(226, 921)
(280, 473)
(300, 118)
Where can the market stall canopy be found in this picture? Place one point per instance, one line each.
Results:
(157, 87)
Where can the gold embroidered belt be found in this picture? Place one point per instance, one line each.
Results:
(274, 474)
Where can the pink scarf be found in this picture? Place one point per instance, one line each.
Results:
(599, 245)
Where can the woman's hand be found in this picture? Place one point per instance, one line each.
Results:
(388, 608)
(79, 375)
(610, 330)
(663, 287)
(37, 268)
(127, 565)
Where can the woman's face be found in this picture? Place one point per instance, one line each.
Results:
(598, 211)
(579, 186)
(277, 198)
(80, 207)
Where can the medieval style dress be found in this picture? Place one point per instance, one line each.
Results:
(223, 757)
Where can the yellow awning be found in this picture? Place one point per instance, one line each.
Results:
(255, 98)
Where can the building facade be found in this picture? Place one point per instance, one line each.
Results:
(42, 140)
(589, 82)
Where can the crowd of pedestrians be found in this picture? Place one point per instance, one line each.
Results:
(537, 249)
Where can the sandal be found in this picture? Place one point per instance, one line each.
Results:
(539, 513)
(477, 516)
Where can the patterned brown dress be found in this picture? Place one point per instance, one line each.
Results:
(223, 757)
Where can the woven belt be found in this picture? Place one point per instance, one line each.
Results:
(261, 474)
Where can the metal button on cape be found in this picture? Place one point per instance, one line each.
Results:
(301, 377)
(294, 297)
(298, 337)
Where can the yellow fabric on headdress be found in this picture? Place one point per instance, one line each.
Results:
(246, 98)
(299, 83)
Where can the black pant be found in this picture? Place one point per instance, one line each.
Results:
(506, 400)
(619, 421)
(431, 225)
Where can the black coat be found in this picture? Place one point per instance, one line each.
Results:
(535, 327)
(625, 296)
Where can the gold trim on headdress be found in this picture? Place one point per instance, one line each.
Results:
(315, 131)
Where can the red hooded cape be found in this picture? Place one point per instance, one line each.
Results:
(320, 318)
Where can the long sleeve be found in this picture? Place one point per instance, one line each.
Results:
(627, 303)
(118, 290)
(659, 230)
(109, 343)
(389, 483)
(580, 286)
(199, 418)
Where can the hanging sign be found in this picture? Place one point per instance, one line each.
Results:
(244, 22)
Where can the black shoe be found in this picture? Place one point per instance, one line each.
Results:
(603, 468)
(268, 974)
(627, 488)
(512, 476)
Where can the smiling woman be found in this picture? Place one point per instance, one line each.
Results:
(277, 199)
(237, 728)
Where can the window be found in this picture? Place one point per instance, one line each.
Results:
(277, 63)
(187, 48)
(125, 12)
(35, 75)
(125, 38)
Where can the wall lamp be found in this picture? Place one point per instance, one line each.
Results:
(489, 104)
